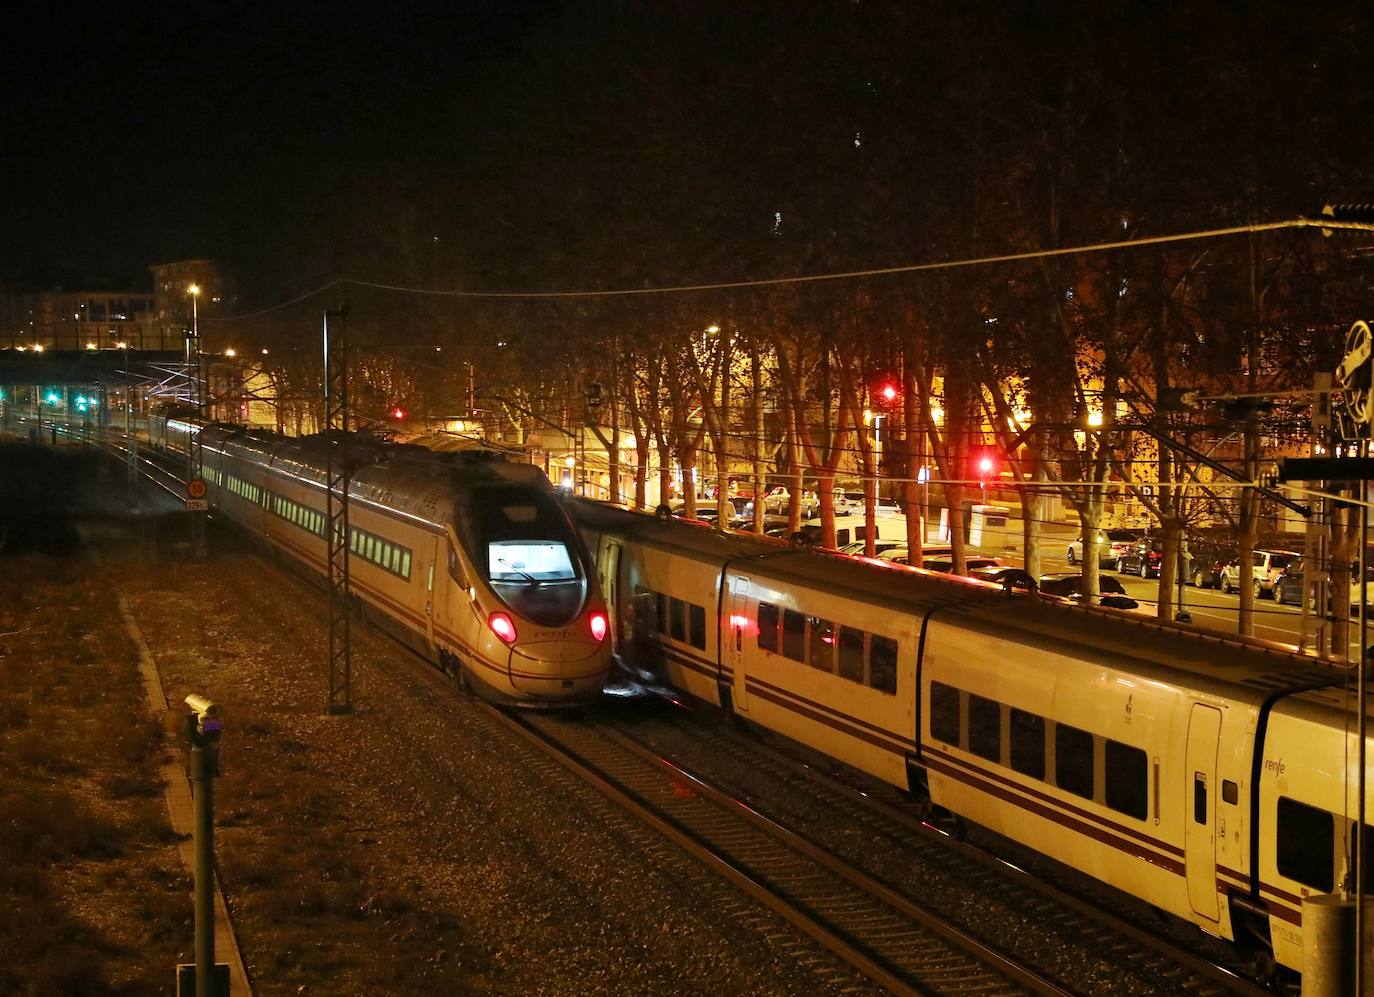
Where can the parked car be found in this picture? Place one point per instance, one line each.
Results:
(945, 565)
(1142, 558)
(900, 554)
(1209, 559)
(1004, 575)
(879, 547)
(1268, 565)
(1111, 545)
(854, 503)
(1069, 585)
(776, 501)
(1288, 591)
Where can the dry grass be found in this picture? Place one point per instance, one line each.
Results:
(95, 900)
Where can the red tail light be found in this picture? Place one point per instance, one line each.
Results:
(598, 624)
(502, 626)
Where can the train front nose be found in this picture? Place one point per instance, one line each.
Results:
(557, 669)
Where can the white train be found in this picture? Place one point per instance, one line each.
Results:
(468, 559)
(1210, 777)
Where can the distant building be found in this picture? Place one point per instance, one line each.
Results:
(172, 298)
(76, 320)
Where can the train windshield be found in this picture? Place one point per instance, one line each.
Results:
(532, 560)
(532, 555)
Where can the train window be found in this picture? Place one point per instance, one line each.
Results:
(822, 651)
(678, 630)
(768, 626)
(661, 617)
(354, 542)
(882, 664)
(1230, 792)
(405, 565)
(794, 635)
(1305, 844)
(1028, 743)
(1128, 782)
(944, 713)
(454, 571)
(1073, 760)
(851, 654)
(696, 626)
(1199, 797)
(985, 727)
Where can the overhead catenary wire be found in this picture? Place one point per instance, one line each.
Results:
(906, 268)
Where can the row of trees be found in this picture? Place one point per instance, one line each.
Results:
(857, 137)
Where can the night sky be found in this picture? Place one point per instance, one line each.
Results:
(519, 144)
(138, 133)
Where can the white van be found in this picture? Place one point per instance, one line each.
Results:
(853, 529)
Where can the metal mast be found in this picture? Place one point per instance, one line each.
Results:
(336, 510)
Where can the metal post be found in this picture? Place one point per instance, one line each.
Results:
(1362, 686)
(337, 534)
(203, 727)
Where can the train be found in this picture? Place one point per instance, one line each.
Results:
(468, 559)
(1208, 776)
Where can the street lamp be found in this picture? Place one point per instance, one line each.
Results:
(922, 478)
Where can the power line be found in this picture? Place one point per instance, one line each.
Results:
(1035, 254)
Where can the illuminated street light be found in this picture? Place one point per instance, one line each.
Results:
(230, 353)
(121, 345)
(38, 347)
(90, 346)
(1094, 418)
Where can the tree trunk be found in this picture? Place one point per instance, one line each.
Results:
(756, 420)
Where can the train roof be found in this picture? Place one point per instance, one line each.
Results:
(401, 476)
(1260, 666)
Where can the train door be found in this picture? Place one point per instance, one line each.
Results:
(1199, 836)
(608, 567)
(428, 561)
(732, 653)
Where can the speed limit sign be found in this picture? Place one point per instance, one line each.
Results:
(195, 488)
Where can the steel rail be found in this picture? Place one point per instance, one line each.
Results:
(1223, 976)
(826, 930)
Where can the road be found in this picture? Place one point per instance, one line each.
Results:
(1219, 611)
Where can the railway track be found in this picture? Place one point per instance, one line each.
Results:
(887, 937)
(900, 822)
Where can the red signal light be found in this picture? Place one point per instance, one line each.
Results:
(985, 463)
(398, 413)
(888, 392)
(598, 625)
(502, 626)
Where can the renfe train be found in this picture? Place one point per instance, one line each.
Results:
(466, 558)
(1208, 776)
